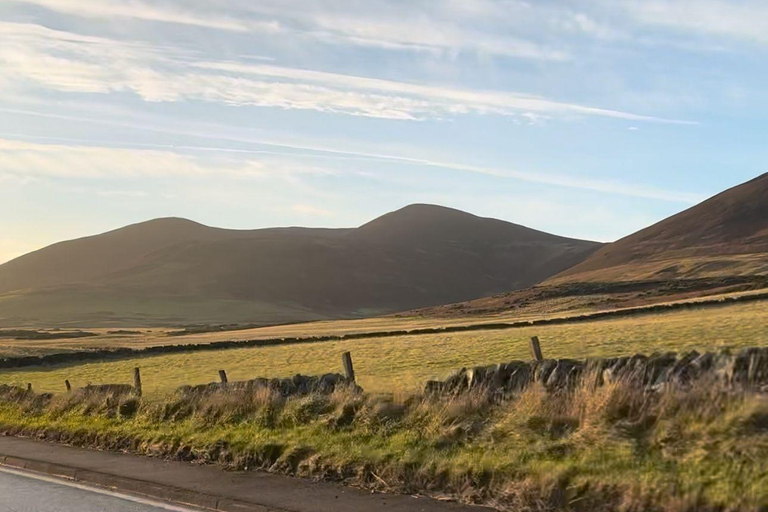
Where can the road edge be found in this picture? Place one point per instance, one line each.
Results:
(134, 486)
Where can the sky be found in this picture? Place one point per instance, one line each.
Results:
(590, 118)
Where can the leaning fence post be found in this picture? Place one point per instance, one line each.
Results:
(346, 358)
(223, 377)
(69, 386)
(137, 381)
(536, 349)
(752, 370)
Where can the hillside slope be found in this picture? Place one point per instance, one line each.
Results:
(173, 271)
(724, 236)
(718, 246)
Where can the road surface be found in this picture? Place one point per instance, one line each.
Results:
(20, 492)
(203, 485)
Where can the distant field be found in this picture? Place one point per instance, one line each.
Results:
(147, 337)
(141, 337)
(404, 363)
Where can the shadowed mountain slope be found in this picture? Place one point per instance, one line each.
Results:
(726, 235)
(718, 246)
(173, 271)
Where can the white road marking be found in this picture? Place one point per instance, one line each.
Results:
(97, 490)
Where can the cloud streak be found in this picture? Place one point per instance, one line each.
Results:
(744, 20)
(416, 26)
(311, 211)
(447, 100)
(154, 12)
(25, 159)
(68, 62)
(32, 159)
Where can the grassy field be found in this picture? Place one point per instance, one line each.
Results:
(137, 337)
(153, 336)
(404, 363)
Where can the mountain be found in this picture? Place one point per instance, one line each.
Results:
(724, 236)
(175, 271)
(718, 246)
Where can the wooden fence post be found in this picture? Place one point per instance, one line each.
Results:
(346, 358)
(536, 349)
(223, 377)
(69, 386)
(752, 370)
(137, 381)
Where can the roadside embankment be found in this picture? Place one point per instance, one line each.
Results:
(701, 445)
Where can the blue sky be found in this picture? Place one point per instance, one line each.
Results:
(589, 119)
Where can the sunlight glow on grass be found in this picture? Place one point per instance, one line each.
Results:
(404, 363)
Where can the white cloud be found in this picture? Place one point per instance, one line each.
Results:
(427, 36)
(22, 159)
(414, 100)
(66, 61)
(509, 28)
(574, 182)
(26, 159)
(69, 62)
(121, 193)
(154, 11)
(313, 211)
(435, 27)
(743, 20)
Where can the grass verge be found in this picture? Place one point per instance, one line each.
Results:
(699, 448)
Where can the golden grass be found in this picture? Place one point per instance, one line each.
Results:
(404, 363)
(153, 336)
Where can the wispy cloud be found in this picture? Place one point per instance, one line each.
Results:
(413, 26)
(312, 211)
(22, 159)
(156, 11)
(426, 98)
(32, 159)
(743, 20)
(69, 62)
(426, 35)
(575, 182)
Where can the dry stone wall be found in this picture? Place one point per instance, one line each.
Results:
(747, 368)
(298, 385)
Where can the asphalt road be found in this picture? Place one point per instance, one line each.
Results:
(204, 485)
(25, 493)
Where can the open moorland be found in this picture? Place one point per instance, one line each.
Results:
(403, 363)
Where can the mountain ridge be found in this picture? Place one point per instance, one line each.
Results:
(417, 256)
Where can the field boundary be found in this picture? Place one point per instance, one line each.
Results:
(130, 353)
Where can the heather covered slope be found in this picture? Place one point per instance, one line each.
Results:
(724, 236)
(171, 271)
